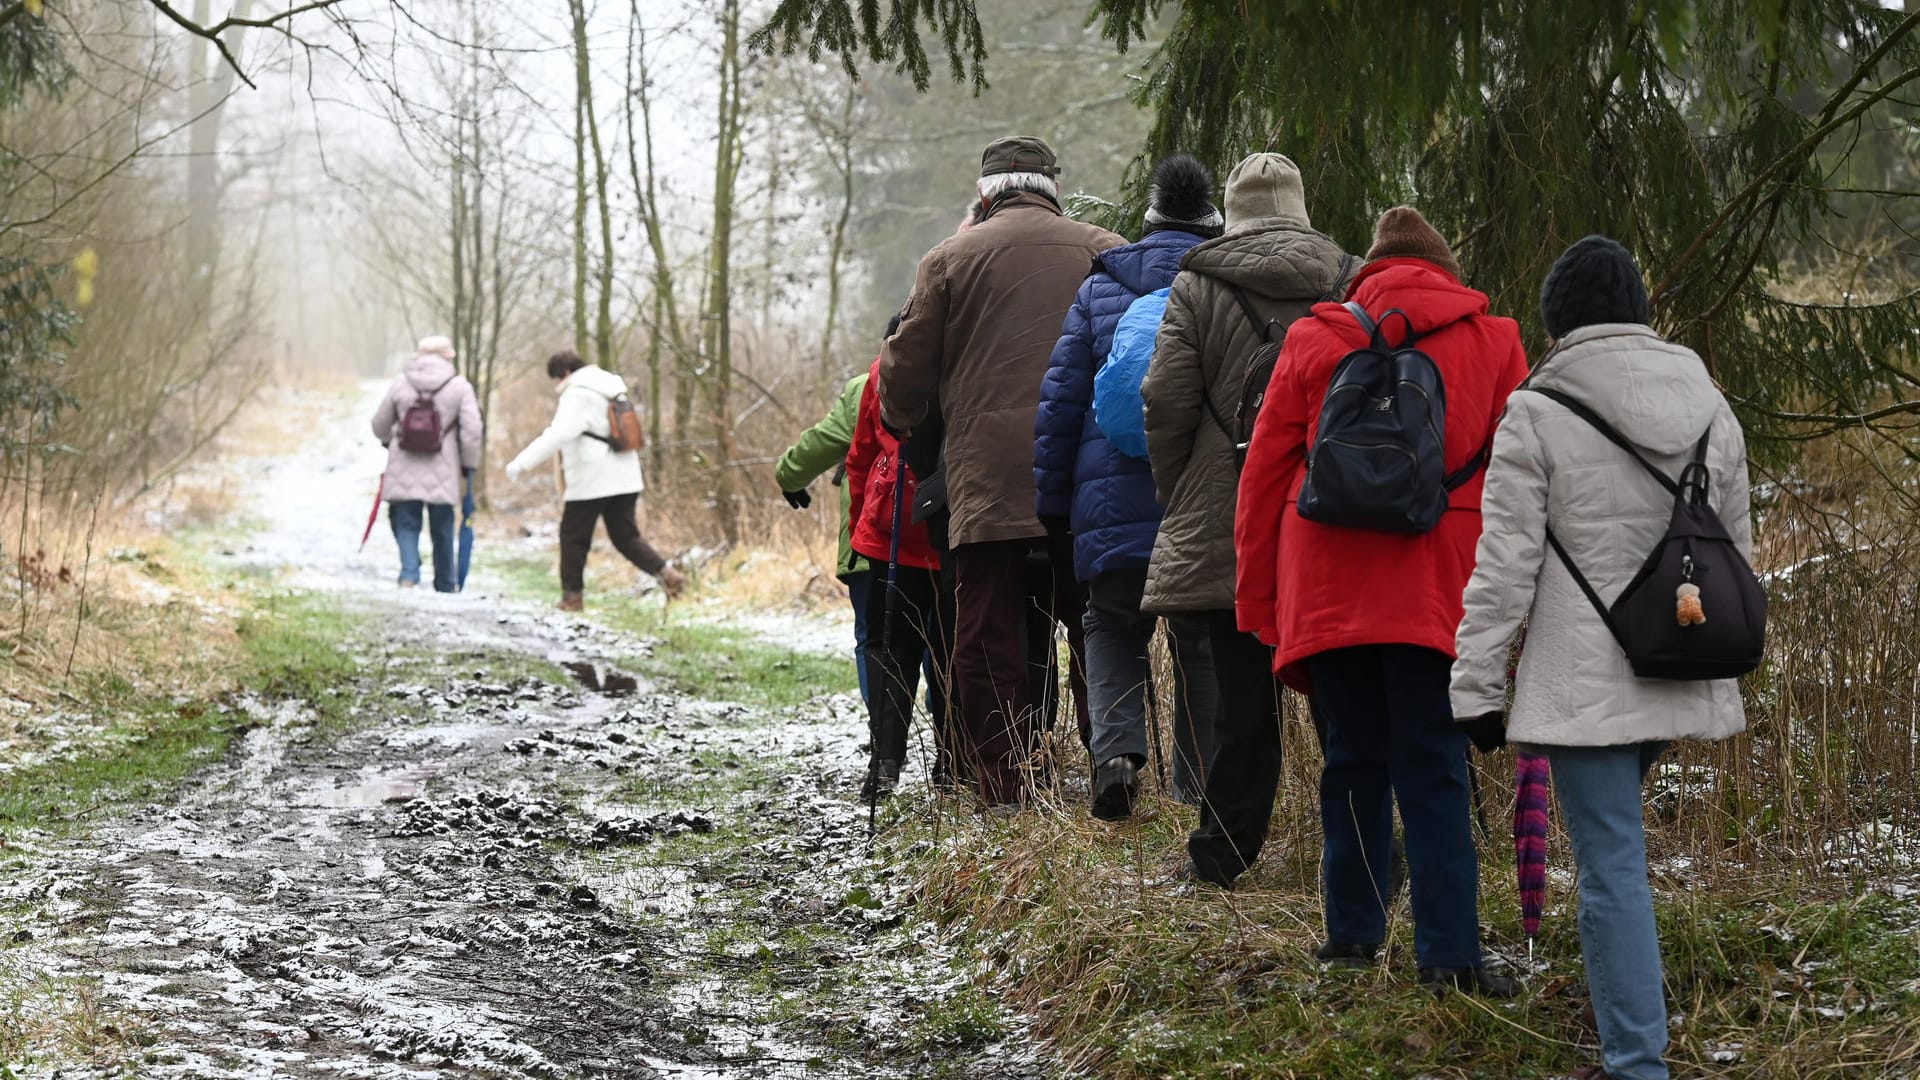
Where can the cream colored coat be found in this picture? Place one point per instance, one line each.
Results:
(592, 469)
(1549, 468)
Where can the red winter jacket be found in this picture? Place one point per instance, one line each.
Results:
(871, 468)
(1306, 588)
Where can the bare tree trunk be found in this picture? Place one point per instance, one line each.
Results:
(603, 319)
(719, 314)
(666, 312)
(210, 83)
(582, 104)
(836, 248)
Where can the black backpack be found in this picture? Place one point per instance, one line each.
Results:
(1378, 458)
(1719, 636)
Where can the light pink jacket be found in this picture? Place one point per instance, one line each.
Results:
(432, 478)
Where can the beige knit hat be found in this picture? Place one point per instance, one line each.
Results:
(1403, 234)
(437, 344)
(1266, 186)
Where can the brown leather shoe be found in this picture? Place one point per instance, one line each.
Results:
(673, 581)
(571, 601)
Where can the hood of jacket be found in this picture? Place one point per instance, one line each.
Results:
(1275, 259)
(427, 371)
(596, 378)
(1149, 263)
(1429, 295)
(1656, 393)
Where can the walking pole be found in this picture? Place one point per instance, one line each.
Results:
(888, 672)
(1153, 720)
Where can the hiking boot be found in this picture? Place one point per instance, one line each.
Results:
(1474, 980)
(1114, 786)
(883, 775)
(409, 584)
(571, 601)
(674, 583)
(1343, 956)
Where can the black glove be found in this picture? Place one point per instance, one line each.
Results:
(1488, 731)
(1056, 525)
(799, 500)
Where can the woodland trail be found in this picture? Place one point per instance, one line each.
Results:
(486, 871)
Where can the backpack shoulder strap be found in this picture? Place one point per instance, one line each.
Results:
(1263, 327)
(1593, 420)
(1586, 587)
(1367, 325)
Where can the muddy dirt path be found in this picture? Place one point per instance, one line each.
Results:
(492, 872)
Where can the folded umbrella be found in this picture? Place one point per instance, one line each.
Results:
(373, 515)
(1530, 839)
(466, 530)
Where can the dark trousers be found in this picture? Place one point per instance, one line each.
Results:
(1390, 735)
(1195, 704)
(911, 632)
(576, 537)
(407, 516)
(1008, 595)
(1244, 772)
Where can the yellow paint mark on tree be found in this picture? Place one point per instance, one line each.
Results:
(86, 266)
(35, 7)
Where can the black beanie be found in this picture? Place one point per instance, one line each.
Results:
(1595, 281)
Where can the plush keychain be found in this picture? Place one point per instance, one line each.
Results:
(1689, 612)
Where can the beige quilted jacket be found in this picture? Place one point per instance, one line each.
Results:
(1574, 687)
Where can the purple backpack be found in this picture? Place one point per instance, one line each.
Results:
(420, 424)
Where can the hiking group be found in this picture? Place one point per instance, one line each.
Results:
(1329, 472)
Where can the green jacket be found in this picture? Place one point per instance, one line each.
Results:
(821, 447)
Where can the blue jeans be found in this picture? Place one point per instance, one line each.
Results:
(1390, 735)
(857, 584)
(405, 517)
(1599, 789)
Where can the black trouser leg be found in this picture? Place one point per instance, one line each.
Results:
(896, 650)
(624, 530)
(1238, 803)
(576, 539)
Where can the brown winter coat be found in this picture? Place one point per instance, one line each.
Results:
(978, 332)
(1200, 358)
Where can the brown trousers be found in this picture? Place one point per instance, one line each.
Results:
(1008, 596)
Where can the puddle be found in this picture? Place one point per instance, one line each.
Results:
(373, 792)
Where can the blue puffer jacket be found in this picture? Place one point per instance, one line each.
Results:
(1078, 474)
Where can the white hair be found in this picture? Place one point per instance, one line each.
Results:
(992, 187)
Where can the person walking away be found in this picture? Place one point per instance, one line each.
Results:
(909, 614)
(821, 448)
(1233, 295)
(977, 332)
(430, 423)
(1554, 477)
(602, 483)
(1103, 498)
(1363, 619)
